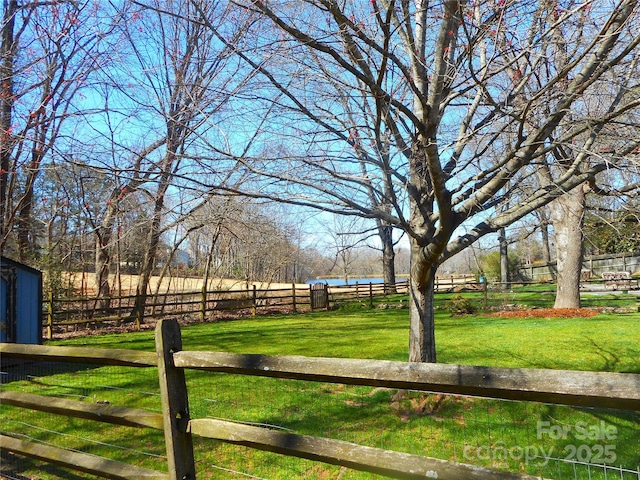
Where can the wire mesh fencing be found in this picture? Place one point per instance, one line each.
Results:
(113, 385)
(551, 441)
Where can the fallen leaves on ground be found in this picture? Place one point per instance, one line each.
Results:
(548, 313)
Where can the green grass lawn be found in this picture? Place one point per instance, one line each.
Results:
(484, 432)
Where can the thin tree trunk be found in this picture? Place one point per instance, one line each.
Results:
(103, 270)
(546, 245)
(7, 56)
(207, 273)
(568, 215)
(26, 234)
(149, 261)
(155, 232)
(504, 259)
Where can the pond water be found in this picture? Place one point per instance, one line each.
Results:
(352, 281)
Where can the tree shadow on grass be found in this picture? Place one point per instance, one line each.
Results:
(20, 370)
(17, 467)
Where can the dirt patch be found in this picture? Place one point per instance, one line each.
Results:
(548, 313)
(128, 325)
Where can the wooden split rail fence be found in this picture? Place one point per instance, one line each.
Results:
(576, 388)
(63, 313)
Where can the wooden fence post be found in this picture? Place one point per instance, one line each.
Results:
(203, 306)
(293, 296)
(175, 402)
(370, 295)
(50, 317)
(254, 303)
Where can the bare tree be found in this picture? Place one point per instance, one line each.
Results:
(162, 100)
(568, 210)
(447, 82)
(347, 236)
(363, 129)
(123, 187)
(8, 49)
(49, 52)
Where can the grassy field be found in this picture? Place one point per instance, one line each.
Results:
(86, 283)
(499, 434)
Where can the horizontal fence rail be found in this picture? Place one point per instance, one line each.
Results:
(576, 388)
(128, 417)
(79, 461)
(383, 462)
(96, 356)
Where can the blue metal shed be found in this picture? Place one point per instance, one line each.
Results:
(20, 302)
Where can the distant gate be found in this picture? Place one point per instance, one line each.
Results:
(319, 296)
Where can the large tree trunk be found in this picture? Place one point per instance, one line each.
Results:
(567, 213)
(388, 258)
(422, 342)
(426, 244)
(104, 233)
(149, 261)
